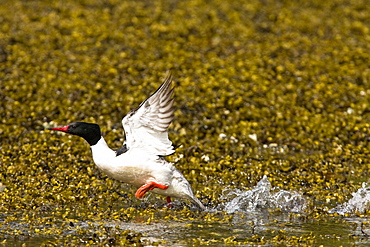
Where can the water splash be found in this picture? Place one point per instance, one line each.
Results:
(358, 203)
(261, 197)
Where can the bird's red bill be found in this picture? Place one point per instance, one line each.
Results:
(64, 129)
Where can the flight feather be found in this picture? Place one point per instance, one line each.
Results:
(146, 126)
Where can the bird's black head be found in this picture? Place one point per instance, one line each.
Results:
(89, 131)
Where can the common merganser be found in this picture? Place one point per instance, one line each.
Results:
(140, 160)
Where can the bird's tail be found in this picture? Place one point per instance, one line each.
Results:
(196, 202)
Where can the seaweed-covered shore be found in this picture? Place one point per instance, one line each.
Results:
(276, 88)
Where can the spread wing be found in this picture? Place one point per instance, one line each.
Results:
(146, 126)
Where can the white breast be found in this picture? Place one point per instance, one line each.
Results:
(134, 167)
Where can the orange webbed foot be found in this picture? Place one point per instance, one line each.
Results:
(140, 193)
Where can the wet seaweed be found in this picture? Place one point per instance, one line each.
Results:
(276, 88)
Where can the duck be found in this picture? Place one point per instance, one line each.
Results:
(141, 159)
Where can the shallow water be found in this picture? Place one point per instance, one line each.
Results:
(330, 232)
(264, 215)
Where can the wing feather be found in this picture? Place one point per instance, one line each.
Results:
(146, 126)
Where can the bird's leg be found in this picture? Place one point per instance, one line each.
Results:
(169, 202)
(169, 199)
(149, 186)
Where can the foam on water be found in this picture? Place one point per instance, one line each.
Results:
(358, 203)
(262, 197)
